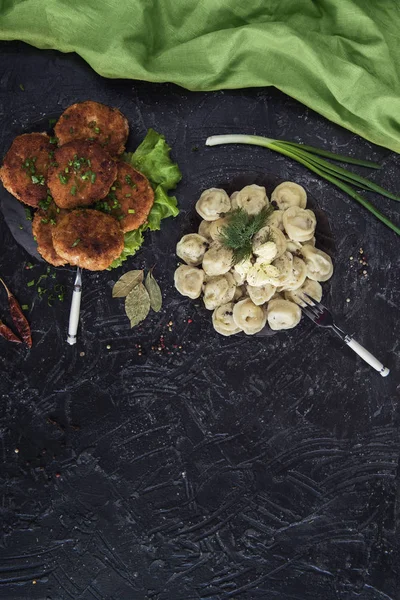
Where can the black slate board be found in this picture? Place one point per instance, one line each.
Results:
(216, 468)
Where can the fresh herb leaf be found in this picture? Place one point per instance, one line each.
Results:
(238, 234)
(126, 283)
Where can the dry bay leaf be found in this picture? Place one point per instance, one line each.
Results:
(154, 292)
(126, 283)
(137, 304)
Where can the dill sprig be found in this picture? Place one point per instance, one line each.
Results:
(238, 234)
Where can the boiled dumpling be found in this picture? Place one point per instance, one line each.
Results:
(217, 260)
(261, 294)
(299, 223)
(212, 204)
(318, 263)
(310, 287)
(242, 268)
(266, 251)
(284, 264)
(270, 234)
(289, 194)
(276, 219)
(204, 230)
(191, 248)
(189, 281)
(251, 198)
(219, 290)
(216, 228)
(249, 317)
(283, 314)
(223, 322)
(299, 274)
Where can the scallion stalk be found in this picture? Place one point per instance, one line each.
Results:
(307, 156)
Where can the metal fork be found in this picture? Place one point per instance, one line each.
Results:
(321, 316)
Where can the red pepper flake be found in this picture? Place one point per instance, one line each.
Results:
(190, 321)
(58, 474)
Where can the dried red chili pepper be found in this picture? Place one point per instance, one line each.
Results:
(18, 317)
(9, 335)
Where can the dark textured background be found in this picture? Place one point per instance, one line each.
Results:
(240, 468)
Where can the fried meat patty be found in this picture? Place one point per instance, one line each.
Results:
(25, 166)
(130, 198)
(42, 226)
(84, 174)
(94, 122)
(88, 238)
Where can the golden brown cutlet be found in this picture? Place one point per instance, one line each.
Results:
(130, 198)
(88, 238)
(25, 166)
(84, 174)
(94, 122)
(43, 222)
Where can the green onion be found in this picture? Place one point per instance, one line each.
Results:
(307, 156)
(97, 130)
(53, 140)
(73, 190)
(63, 178)
(93, 177)
(52, 122)
(20, 226)
(71, 130)
(31, 283)
(131, 211)
(76, 242)
(21, 87)
(44, 220)
(25, 307)
(28, 214)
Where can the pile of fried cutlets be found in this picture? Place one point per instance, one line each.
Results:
(85, 197)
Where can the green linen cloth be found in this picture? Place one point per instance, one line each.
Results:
(339, 57)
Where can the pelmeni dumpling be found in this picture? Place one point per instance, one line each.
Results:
(240, 278)
(204, 230)
(276, 219)
(284, 264)
(252, 199)
(239, 292)
(293, 246)
(299, 223)
(249, 317)
(219, 290)
(299, 274)
(262, 273)
(191, 248)
(310, 287)
(217, 226)
(189, 281)
(289, 194)
(319, 264)
(217, 260)
(283, 314)
(270, 233)
(222, 319)
(310, 242)
(261, 294)
(212, 203)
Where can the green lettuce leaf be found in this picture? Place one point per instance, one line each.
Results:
(153, 160)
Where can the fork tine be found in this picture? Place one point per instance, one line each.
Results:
(317, 304)
(309, 313)
(311, 307)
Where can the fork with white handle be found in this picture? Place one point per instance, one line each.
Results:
(321, 316)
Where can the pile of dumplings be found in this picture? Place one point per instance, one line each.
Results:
(267, 287)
